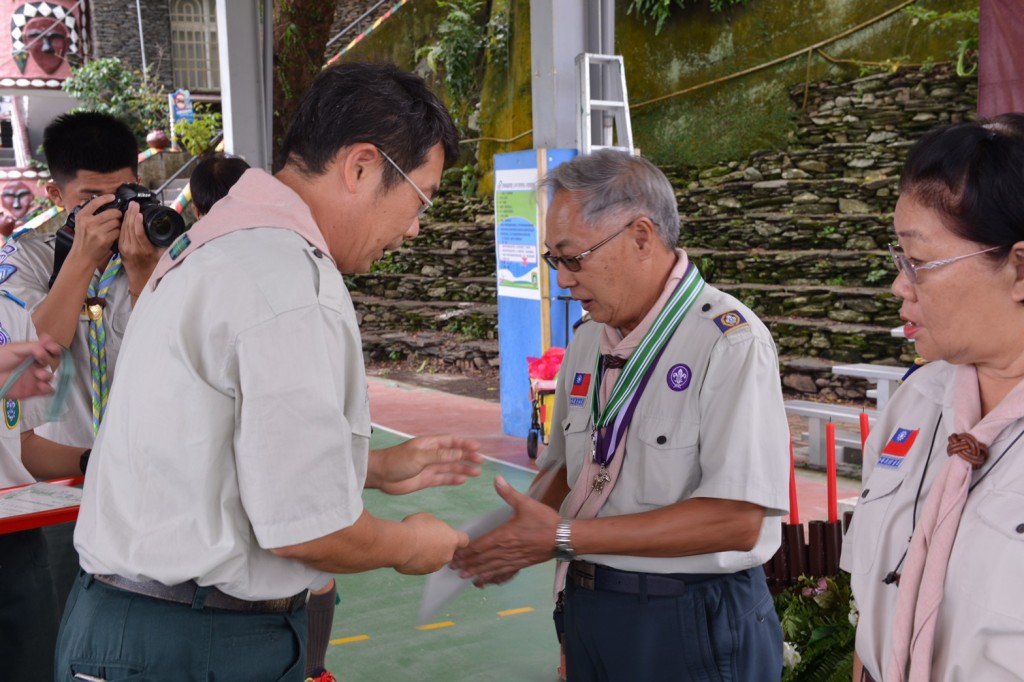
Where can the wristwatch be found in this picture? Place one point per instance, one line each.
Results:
(563, 544)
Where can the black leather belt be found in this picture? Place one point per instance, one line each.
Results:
(606, 579)
(185, 593)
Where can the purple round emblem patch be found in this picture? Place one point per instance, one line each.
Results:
(679, 377)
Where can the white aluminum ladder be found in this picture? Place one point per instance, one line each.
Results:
(616, 131)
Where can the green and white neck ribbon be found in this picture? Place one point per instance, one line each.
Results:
(95, 304)
(641, 361)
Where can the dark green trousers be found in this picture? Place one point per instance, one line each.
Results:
(28, 608)
(113, 634)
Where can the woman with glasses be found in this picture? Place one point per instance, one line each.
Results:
(936, 548)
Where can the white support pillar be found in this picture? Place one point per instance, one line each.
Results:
(557, 30)
(246, 91)
(560, 30)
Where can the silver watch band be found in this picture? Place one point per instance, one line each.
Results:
(563, 540)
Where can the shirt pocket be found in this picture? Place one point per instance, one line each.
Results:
(999, 549)
(667, 459)
(871, 518)
(578, 439)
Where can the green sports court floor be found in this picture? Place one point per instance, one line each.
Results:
(502, 633)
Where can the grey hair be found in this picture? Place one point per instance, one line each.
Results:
(614, 184)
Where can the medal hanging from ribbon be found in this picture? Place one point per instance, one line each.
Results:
(625, 396)
(100, 382)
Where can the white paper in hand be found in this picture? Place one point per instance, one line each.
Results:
(444, 585)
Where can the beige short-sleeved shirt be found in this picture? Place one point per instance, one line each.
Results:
(979, 633)
(18, 415)
(238, 421)
(32, 255)
(721, 435)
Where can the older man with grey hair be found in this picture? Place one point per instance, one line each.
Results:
(667, 469)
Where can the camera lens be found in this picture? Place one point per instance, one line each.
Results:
(163, 225)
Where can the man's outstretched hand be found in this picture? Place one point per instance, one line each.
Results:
(423, 462)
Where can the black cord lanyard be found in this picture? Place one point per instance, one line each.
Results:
(893, 575)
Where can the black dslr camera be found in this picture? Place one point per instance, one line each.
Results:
(163, 225)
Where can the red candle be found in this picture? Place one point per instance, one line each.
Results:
(794, 513)
(830, 443)
(865, 429)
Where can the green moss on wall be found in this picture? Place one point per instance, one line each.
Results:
(723, 121)
(506, 109)
(735, 116)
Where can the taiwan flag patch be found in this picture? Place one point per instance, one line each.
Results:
(580, 389)
(897, 448)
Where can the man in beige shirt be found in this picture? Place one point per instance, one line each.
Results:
(227, 478)
(666, 473)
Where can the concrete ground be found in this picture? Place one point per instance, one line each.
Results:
(421, 411)
(502, 633)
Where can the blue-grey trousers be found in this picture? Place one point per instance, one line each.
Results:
(724, 630)
(112, 634)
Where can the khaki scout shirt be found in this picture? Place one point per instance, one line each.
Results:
(979, 633)
(32, 255)
(238, 421)
(18, 415)
(715, 429)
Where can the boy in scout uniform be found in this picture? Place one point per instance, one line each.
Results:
(85, 308)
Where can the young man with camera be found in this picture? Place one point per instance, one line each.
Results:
(89, 155)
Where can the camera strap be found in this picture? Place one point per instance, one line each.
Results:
(61, 248)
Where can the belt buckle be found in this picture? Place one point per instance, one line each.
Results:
(583, 572)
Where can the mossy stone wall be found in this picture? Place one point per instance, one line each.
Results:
(723, 121)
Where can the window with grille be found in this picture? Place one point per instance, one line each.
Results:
(194, 45)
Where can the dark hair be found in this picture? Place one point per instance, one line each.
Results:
(90, 141)
(212, 178)
(973, 175)
(375, 103)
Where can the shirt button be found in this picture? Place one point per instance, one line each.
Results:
(662, 440)
(706, 307)
(865, 493)
(318, 253)
(1020, 528)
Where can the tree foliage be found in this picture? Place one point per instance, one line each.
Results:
(660, 10)
(195, 136)
(458, 54)
(301, 31)
(108, 85)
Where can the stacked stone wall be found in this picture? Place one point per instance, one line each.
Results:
(798, 234)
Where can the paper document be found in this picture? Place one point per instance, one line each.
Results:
(38, 497)
(444, 585)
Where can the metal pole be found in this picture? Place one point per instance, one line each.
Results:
(556, 37)
(600, 39)
(242, 82)
(142, 40)
(268, 79)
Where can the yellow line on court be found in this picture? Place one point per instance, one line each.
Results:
(436, 626)
(349, 640)
(516, 612)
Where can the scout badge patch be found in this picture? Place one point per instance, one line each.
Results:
(730, 321)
